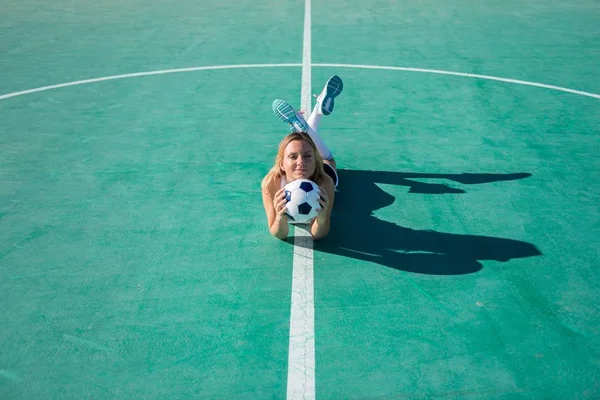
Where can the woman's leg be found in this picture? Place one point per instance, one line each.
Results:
(313, 131)
(324, 106)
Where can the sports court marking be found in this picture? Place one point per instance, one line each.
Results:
(287, 65)
(301, 351)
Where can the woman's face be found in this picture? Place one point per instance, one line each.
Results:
(298, 160)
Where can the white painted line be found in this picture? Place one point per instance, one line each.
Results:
(306, 97)
(284, 65)
(137, 74)
(301, 353)
(467, 75)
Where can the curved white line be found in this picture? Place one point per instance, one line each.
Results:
(376, 67)
(442, 72)
(161, 72)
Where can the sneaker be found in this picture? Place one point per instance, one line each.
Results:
(284, 111)
(332, 89)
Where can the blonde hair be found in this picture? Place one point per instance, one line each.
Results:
(276, 173)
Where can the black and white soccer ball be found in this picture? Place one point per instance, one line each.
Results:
(302, 196)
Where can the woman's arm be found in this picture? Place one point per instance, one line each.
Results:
(274, 203)
(320, 226)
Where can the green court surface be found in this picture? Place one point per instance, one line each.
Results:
(462, 262)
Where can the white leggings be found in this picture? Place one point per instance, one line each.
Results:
(313, 123)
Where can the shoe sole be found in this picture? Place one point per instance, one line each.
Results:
(333, 88)
(285, 112)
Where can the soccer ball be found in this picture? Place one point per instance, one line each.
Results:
(302, 196)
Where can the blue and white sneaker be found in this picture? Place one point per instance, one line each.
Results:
(284, 111)
(332, 89)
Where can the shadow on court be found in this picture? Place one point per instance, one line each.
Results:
(365, 237)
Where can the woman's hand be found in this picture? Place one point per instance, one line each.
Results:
(279, 202)
(324, 203)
